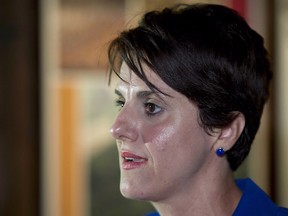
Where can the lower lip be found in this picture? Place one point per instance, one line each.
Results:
(128, 165)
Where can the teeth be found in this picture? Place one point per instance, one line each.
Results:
(134, 159)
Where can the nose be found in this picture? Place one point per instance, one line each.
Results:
(124, 127)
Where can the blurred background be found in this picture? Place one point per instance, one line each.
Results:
(56, 155)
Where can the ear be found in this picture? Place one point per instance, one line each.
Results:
(228, 136)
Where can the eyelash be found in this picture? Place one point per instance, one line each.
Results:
(120, 103)
(149, 105)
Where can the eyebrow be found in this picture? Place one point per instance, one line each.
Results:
(144, 94)
(117, 92)
(141, 94)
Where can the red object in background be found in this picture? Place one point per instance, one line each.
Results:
(240, 6)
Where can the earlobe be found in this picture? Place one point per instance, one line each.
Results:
(230, 134)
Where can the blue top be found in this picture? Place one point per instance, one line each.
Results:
(254, 201)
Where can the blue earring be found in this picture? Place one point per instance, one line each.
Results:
(220, 152)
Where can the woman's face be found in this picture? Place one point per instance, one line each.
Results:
(162, 148)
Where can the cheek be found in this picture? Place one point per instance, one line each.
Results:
(159, 137)
(177, 153)
(168, 141)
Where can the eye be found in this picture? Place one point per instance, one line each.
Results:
(120, 103)
(152, 109)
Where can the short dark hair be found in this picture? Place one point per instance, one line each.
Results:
(209, 54)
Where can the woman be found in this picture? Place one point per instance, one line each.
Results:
(193, 83)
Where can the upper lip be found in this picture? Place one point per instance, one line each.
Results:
(126, 154)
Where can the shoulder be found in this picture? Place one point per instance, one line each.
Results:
(255, 201)
(282, 211)
(153, 214)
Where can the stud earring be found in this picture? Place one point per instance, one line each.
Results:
(220, 152)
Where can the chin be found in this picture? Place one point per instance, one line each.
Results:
(133, 193)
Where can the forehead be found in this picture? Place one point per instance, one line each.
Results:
(131, 79)
(131, 84)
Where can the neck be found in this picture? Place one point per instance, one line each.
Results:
(214, 195)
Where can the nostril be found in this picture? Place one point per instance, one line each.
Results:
(124, 127)
(115, 132)
(122, 132)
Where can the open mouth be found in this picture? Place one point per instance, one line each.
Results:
(132, 161)
(135, 160)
